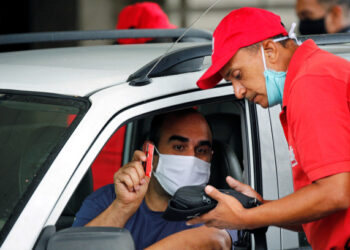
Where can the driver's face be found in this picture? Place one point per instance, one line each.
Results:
(189, 135)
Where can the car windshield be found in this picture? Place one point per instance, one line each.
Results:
(32, 131)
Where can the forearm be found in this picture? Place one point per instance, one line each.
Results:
(114, 216)
(195, 238)
(296, 228)
(310, 203)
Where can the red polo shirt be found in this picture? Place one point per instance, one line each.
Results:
(316, 122)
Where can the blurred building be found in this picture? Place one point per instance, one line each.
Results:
(181, 12)
(63, 15)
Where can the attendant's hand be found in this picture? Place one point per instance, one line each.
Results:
(243, 188)
(131, 183)
(229, 213)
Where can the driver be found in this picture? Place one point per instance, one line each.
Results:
(136, 202)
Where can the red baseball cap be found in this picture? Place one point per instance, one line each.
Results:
(240, 28)
(145, 15)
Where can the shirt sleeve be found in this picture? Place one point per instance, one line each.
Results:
(88, 211)
(234, 237)
(319, 116)
(93, 205)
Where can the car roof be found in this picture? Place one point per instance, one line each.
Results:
(76, 71)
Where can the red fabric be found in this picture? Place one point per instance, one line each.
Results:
(145, 15)
(70, 119)
(240, 28)
(316, 121)
(109, 160)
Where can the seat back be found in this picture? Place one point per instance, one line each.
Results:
(224, 163)
(227, 147)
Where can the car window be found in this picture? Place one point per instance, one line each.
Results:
(32, 129)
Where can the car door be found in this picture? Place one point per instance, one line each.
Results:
(164, 94)
(277, 180)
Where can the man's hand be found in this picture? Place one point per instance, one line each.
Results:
(243, 188)
(131, 183)
(229, 211)
(227, 214)
(324, 197)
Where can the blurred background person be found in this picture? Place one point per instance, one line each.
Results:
(144, 15)
(323, 16)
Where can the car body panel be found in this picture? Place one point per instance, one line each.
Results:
(75, 71)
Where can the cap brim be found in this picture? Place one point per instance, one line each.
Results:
(212, 76)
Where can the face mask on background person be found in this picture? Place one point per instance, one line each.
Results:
(312, 27)
(175, 171)
(274, 83)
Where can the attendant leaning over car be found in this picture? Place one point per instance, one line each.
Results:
(265, 65)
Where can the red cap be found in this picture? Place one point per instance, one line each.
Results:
(240, 28)
(145, 15)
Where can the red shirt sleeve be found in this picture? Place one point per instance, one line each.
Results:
(319, 117)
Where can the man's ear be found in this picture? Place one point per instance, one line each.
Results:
(335, 19)
(271, 51)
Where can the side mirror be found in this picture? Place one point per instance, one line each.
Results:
(91, 238)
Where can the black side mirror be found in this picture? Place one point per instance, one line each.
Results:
(91, 238)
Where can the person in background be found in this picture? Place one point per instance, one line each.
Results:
(323, 16)
(137, 202)
(144, 15)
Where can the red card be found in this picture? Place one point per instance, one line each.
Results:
(148, 150)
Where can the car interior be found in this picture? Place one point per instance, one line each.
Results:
(226, 120)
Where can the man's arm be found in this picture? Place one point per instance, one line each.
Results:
(247, 190)
(195, 238)
(315, 201)
(130, 185)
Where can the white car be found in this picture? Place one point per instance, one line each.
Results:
(59, 107)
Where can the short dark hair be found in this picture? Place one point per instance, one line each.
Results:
(158, 122)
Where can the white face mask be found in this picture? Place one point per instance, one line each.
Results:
(175, 171)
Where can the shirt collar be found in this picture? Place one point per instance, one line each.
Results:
(305, 50)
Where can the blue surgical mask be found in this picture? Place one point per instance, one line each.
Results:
(274, 83)
(275, 80)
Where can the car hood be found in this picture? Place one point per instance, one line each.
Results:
(75, 71)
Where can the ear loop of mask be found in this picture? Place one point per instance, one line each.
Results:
(291, 35)
(157, 151)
